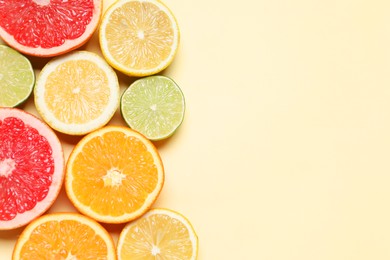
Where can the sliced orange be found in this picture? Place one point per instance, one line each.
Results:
(77, 93)
(114, 174)
(139, 37)
(64, 236)
(159, 234)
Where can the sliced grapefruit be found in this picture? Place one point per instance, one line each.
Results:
(31, 167)
(48, 28)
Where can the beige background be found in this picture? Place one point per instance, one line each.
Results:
(284, 150)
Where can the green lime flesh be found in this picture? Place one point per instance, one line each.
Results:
(17, 77)
(153, 106)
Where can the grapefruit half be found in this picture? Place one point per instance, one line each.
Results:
(31, 167)
(48, 28)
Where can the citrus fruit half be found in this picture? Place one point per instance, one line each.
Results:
(77, 93)
(48, 27)
(31, 167)
(153, 106)
(139, 38)
(64, 236)
(114, 174)
(159, 234)
(17, 77)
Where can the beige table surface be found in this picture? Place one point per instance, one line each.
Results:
(284, 151)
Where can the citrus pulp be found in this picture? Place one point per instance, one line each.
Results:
(48, 28)
(77, 93)
(114, 174)
(159, 234)
(153, 106)
(64, 236)
(17, 77)
(31, 167)
(139, 37)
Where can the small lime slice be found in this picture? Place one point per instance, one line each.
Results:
(153, 106)
(16, 77)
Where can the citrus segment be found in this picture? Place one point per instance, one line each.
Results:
(77, 93)
(159, 234)
(31, 167)
(139, 38)
(64, 236)
(114, 174)
(17, 77)
(48, 27)
(154, 106)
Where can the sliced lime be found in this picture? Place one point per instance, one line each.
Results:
(153, 106)
(16, 77)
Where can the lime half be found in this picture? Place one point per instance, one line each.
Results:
(16, 77)
(153, 106)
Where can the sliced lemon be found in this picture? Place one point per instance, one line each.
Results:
(77, 93)
(139, 38)
(159, 234)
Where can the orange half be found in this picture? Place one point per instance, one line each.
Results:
(114, 174)
(64, 236)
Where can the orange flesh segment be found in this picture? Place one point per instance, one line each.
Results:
(59, 239)
(76, 78)
(138, 38)
(131, 177)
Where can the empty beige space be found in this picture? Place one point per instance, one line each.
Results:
(284, 150)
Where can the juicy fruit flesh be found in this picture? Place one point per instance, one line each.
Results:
(157, 236)
(63, 240)
(26, 167)
(45, 24)
(153, 106)
(83, 95)
(16, 77)
(121, 179)
(139, 35)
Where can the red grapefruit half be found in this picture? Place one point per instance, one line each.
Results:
(48, 28)
(31, 167)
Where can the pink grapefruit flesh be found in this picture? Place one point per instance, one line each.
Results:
(48, 28)
(31, 167)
